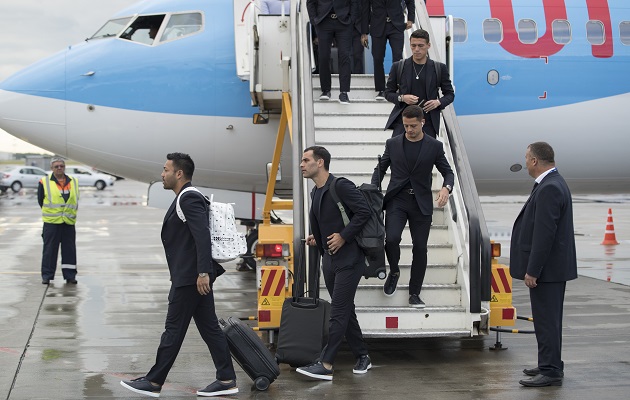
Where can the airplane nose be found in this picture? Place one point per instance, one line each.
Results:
(32, 104)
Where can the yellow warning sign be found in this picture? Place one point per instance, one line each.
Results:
(494, 299)
(265, 302)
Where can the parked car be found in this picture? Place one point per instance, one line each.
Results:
(89, 177)
(18, 177)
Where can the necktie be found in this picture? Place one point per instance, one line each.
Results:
(535, 184)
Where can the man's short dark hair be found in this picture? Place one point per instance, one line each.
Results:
(542, 151)
(319, 153)
(183, 162)
(420, 34)
(413, 112)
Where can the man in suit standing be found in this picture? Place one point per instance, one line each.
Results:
(419, 82)
(343, 261)
(386, 21)
(188, 249)
(334, 19)
(542, 253)
(411, 158)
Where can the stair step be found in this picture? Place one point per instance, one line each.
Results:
(354, 135)
(356, 105)
(344, 120)
(411, 333)
(410, 318)
(436, 274)
(433, 294)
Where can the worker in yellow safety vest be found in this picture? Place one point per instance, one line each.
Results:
(58, 196)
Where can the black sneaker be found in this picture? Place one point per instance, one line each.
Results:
(142, 386)
(343, 98)
(45, 281)
(73, 281)
(390, 283)
(325, 95)
(218, 388)
(415, 301)
(317, 371)
(363, 365)
(380, 95)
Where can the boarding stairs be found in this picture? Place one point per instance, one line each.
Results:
(456, 288)
(354, 135)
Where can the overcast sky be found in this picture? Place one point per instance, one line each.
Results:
(34, 29)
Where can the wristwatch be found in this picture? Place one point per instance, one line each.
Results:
(449, 188)
(400, 98)
(203, 275)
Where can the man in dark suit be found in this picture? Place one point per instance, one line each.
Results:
(386, 21)
(334, 19)
(542, 253)
(411, 158)
(418, 86)
(188, 249)
(343, 261)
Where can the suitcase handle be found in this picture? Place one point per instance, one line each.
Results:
(304, 302)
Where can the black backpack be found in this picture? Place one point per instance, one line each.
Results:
(371, 239)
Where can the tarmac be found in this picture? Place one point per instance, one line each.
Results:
(68, 341)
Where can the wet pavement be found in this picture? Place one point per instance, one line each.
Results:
(78, 341)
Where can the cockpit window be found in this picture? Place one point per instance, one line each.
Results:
(144, 29)
(180, 25)
(111, 28)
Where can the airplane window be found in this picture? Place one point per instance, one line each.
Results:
(492, 30)
(460, 32)
(595, 32)
(561, 31)
(144, 29)
(111, 28)
(527, 31)
(624, 32)
(180, 25)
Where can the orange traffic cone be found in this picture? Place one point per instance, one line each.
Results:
(609, 237)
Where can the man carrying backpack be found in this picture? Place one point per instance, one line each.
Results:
(188, 253)
(343, 261)
(411, 158)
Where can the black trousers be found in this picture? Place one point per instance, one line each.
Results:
(342, 282)
(547, 300)
(396, 42)
(399, 129)
(54, 235)
(327, 30)
(358, 66)
(402, 208)
(185, 303)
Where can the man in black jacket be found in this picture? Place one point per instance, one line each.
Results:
(386, 20)
(418, 85)
(411, 158)
(542, 253)
(188, 249)
(343, 261)
(334, 19)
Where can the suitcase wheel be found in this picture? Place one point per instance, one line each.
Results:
(262, 383)
(382, 275)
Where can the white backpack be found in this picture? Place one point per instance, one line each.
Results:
(227, 242)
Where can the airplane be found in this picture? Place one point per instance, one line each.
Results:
(524, 71)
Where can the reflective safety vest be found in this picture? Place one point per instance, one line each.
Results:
(55, 210)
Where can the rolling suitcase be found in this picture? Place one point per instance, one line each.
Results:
(304, 325)
(250, 353)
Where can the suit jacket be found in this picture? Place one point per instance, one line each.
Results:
(188, 246)
(378, 10)
(543, 241)
(348, 11)
(420, 177)
(330, 220)
(393, 89)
